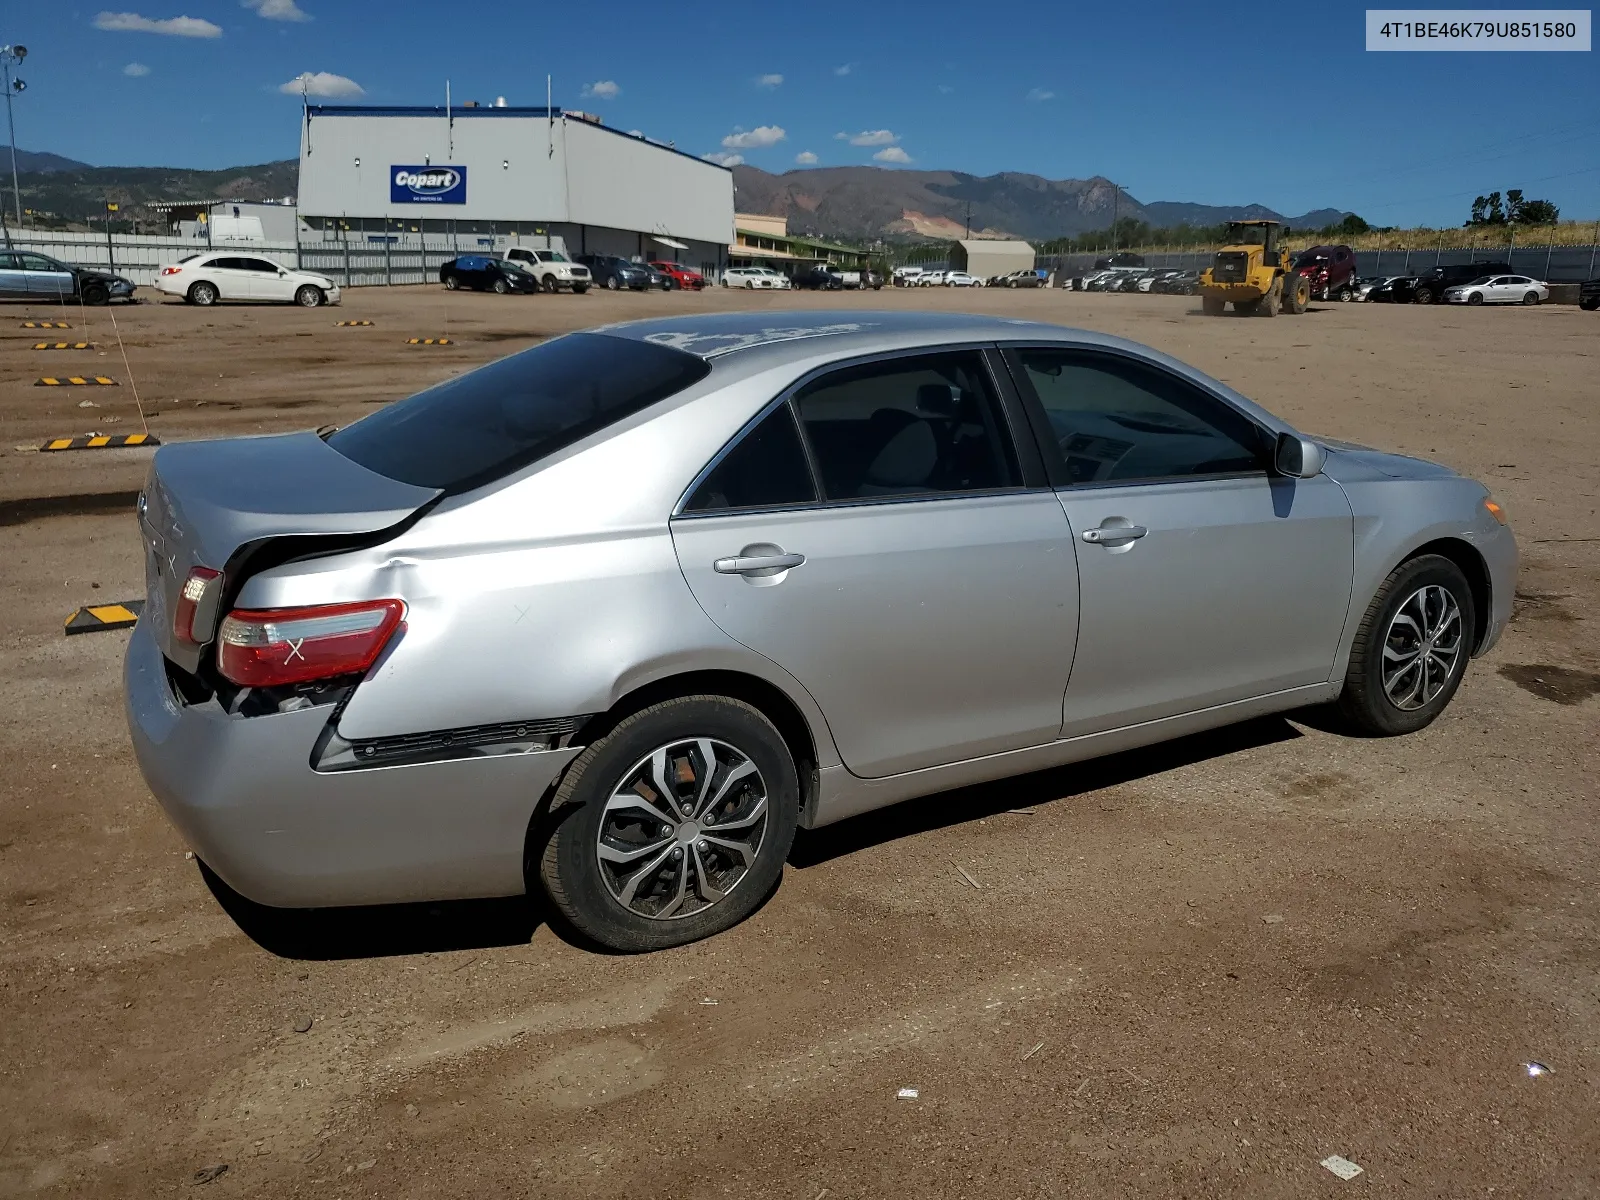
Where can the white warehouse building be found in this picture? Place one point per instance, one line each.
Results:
(481, 177)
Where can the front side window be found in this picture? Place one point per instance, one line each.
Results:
(910, 426)
(1115, 419)
(766, 469)
(38, 262)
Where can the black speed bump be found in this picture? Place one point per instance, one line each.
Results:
(102, 441)
(77, 381)
(429, 342)
(45, 325)
(97, 617)
(63, 346)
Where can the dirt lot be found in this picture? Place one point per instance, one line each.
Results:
(1190, 971)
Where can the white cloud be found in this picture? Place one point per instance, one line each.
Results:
(891, 154)
(724, 160)
(1041, 94)
(868, 137)
(189, 27)
(137, 70)
(276, 10)
(846, 69)
(945, 89)
(601, 89)
(768, 81)
(805, 158)
(758, 138)
(321, 83)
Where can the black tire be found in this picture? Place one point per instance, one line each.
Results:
(578, 289)
(1296, 295)
(1475, 298)
(203, 294)
(1423, 295)
(1589, 303)
(611, 283)
(549, 284)
(1346, 294)
(1364, 703)
(499, 287)
(1246, 308)
(309, 297)
(569, 862)
(451, 283)
(1531, 298)
(95, 294)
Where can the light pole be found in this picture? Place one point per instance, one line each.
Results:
(8, 56)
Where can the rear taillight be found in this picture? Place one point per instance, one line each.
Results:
(266, 648)
(195, 615)
(171, 270)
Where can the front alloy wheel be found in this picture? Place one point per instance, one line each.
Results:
(1411, 649)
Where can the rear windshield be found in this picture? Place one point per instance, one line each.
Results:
(499, 418)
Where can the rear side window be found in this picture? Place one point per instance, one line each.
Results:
(766, 469)
(499, 418)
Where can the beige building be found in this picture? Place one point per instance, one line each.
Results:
(985, 258)
(760, 240)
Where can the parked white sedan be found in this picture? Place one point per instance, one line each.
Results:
(961, 279)
(746, 277)
(1499, 289)
(204, 279)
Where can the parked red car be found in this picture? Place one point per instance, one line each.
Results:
(681, 275)
(1331, 270)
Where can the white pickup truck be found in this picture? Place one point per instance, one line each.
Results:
(553, 269)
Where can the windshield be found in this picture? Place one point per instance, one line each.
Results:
(1247, 235)
(1479, 280)
(499, 418)
(551, 256)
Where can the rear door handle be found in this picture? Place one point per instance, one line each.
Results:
(1114, 533)
(740, 565)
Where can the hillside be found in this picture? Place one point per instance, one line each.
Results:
(870, 202)
(71, 194)
(38, 160)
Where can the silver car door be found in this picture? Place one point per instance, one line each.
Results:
(1202, 579)
(45, 277)
(893, 563)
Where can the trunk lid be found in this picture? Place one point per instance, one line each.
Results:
(208, 504)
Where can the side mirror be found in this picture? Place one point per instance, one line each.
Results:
(1298, 457)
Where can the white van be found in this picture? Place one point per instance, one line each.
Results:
(237, 229)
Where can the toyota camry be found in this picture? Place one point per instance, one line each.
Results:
(613, 616)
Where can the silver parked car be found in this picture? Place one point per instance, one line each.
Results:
(615, 615)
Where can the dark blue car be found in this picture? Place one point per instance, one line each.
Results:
(613, 273)
(485, 274)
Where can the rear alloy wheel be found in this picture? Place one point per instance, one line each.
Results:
(1531, 298)
(204, 294)
(611, 283)
(1346, 294)
(1411, 649)
(451, 283)
(308, 296)
(500, 287)
(673, 826)
(1475, 298)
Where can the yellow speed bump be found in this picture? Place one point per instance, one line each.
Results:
(77, 381)
(428, 342)
(352, 323)
(45, 325)
(63, 346)
(97, 617)
(102, 441)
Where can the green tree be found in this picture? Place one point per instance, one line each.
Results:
(1538, 212)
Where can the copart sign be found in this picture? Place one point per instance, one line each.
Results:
(427, 185)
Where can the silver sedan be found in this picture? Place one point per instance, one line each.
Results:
(613, 616)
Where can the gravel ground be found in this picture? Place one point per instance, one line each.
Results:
(1196, 970)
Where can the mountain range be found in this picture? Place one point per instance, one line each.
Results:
(869, 202)
(849, 203)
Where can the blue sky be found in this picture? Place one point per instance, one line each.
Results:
(1176, 101)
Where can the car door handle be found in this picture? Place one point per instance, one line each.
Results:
(742, 565)
(1114, 533)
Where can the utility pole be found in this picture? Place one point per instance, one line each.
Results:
(969, 220)
(1116, 203)
(14, 87)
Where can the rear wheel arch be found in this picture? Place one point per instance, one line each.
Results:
(765, 697)
(1465, 556)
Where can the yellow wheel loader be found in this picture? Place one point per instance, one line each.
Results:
(1253, 274)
